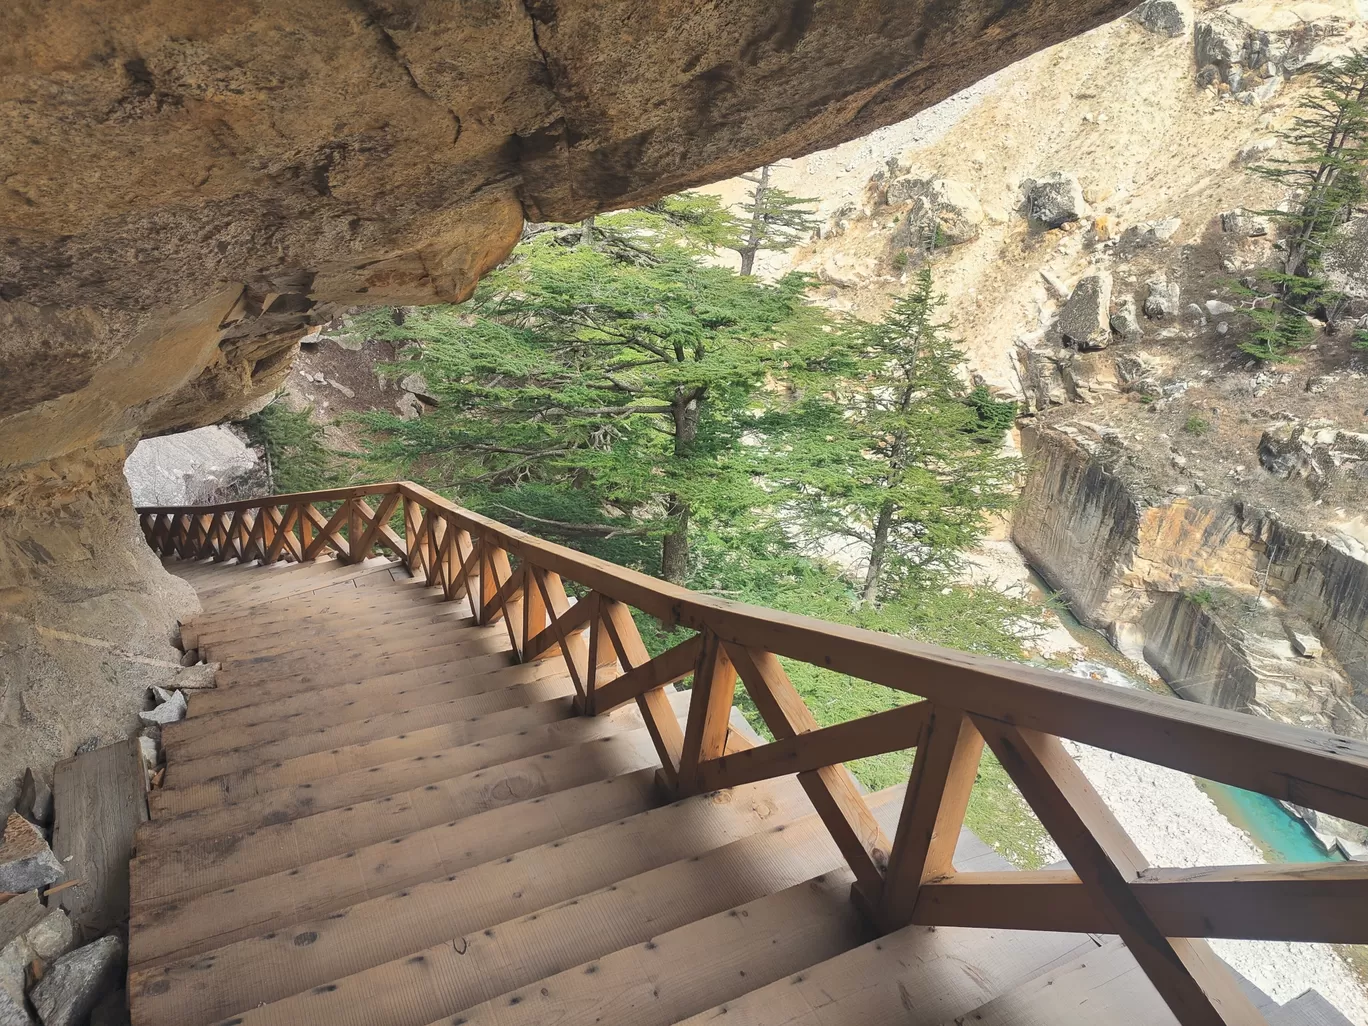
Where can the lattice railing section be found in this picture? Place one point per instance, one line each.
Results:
(965, 701)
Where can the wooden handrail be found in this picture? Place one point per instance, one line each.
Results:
(511, 577)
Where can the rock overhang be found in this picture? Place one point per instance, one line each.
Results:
(188, 187)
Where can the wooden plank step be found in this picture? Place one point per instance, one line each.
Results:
(223, 861)
(290, 635)
(318, 727)
(399, 764)
(438, 739)
(231, 979)
(365, 658)
(330, 601)
(446, 977)
(231, 708)
(917, 976)
(260, 584)
(482, 788)
(234, 696)
(187, 923)
(230, 610)
(339, 647)
(99, 798)
(283, 718)
(1105, 985)
(1310, 1008)
(705, 963)
(374, 742)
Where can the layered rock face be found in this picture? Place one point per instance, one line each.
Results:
(188, 187)
(1216, 593)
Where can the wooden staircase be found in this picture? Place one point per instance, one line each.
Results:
(393, 809)
(364, 835)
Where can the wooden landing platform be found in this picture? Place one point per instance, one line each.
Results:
(379, 819)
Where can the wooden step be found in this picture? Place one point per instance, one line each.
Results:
(263, 778)
(223, 861)
(241, 975)
(917, 976)
(451, 669)
(188, 922)
(680, 972)
(1104, 985)
(364, 658)
(260, 584)
(443, 798)
(343, 648)
(235, 707)
(446, 978)
(174, 879)
(396, 764)
(292, 716)
(287, 636)
(318, 609)
(355, 720)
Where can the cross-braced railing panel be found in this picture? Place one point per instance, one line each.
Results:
(965, 701)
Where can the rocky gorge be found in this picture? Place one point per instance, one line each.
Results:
(1091, 209)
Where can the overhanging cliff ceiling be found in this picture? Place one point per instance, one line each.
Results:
(187, 185)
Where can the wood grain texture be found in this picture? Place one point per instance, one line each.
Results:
(100, 799)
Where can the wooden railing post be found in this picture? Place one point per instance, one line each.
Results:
(705, 736)
(1193, 982)
(653, 702)
(943, 773)
(830, 788)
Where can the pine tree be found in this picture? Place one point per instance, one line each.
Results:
(899, 455)
(603, 391)
(1328, 144)
(772, 220)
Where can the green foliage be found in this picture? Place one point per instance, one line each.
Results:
(994, 415)
(895, 453)
(630, 382)
(1327, 147)
(1202, 597)
(771, 220)
(900, 260)
(1196, 425)
(296, 458)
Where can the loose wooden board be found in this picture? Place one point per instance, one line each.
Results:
(99, 798)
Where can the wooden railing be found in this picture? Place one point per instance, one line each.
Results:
(1021, 712)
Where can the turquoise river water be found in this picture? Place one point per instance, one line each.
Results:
(1281, 836)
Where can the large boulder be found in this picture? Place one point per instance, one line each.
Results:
(1124, 321)
(1248, 45)
(26, 861)
(944, 212)
(1084, 321)
(74, 984)
(1164, 17)
(1163, 299)
(1055, 199)
(208, 464)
